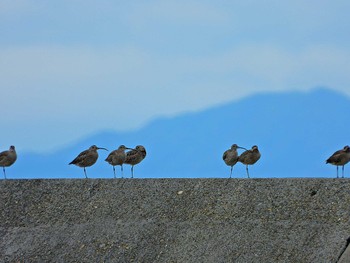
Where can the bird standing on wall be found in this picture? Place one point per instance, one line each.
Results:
(135, 156)
(340, 158)
(250, 157)
(117, 157)
(87, 158)
(7, 158)
(230, 156)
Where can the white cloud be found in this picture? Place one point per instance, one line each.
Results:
(156, 58)
(56, 82)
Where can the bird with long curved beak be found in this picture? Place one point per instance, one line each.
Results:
(87, 157)
(230, 156)
(117, 157)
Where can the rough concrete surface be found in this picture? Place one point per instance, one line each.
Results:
(175, 220)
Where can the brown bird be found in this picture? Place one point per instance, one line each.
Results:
(340, 158)
(250, 157)
(87, 158)
(117, 157)
(7, 158)
(135, 156)
(230, 156)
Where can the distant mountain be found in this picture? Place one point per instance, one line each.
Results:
(295, 131)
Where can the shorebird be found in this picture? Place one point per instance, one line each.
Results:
(117, 157)
(340, 158)
(135, 156)
(230, 156)
(7, 158)
(250, 157)
(87, 158)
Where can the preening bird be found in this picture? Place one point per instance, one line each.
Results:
(250, 157)
(135, 156)
(340, 158)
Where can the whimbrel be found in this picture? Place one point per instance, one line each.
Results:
(230, 156)
(340, 157)
(7, 158)
(117, 157)
(135, 156)
(87, 158)
(250, 157)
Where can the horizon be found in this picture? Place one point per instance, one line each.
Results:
(69, 143)
(295, 132)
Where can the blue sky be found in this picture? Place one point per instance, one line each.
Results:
(69, 69)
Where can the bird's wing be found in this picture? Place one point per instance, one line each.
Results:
(338, 152)
(110, 156)
(244, 154)
(3, 155)
(335, 158)
(224, 155)
(80, 157)
(131, 153)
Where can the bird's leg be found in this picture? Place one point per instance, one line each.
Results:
(247, 170)
(132, 171)
(231, 171)
(337, 171)
(114, 172)
(343, 171)
(4, 171)
(85, 173)
(121, 168)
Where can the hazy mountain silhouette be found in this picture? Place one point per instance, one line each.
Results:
(295, 131)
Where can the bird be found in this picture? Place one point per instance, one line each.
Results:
(7, 158)
(250, 157)
(117, 157)
(135, 156)
(87, 158)
(230, 156)
(340, 158)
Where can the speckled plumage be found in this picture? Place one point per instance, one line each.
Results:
(340, 158)
(7, 158)
(135, 156)
(117, 157)
(230, 156)
(87, 158)
(250, 157)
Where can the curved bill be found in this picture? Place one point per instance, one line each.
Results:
(242, 148)
(100, 148)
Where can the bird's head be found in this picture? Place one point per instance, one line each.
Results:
(95, 148)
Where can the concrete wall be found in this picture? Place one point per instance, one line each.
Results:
(175, 220)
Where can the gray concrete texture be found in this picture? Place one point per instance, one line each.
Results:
(175, 220)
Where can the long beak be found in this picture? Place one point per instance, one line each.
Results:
(242, 148)
(98, 148)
